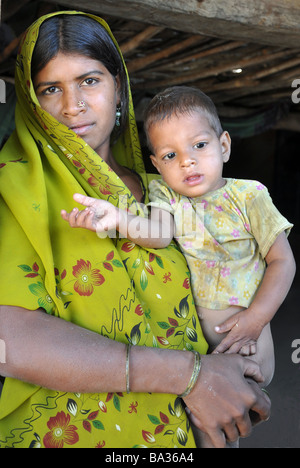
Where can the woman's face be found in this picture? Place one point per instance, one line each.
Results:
(69, 79)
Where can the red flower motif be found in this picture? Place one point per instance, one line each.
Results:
(93, 181)
(104, 190)
(128, 246)
(100, 444)
(148, 437)
(163, 341)
(61, 432)
(139, 310)
(167, 277)
(87, 278)
(149, 268)
(164, 418)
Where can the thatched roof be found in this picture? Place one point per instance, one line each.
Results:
(246, 65)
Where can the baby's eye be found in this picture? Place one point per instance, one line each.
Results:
(169, 156)
(200, 145)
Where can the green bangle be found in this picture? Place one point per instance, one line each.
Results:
(266, 392)
(195, 375)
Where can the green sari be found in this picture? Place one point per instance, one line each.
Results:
(110, 286)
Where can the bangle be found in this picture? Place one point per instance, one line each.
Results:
(195, 375)
(127, 368)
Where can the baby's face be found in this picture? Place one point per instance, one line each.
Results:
(188, 154)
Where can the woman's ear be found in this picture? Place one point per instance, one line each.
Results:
(155, 163)
(225, 141)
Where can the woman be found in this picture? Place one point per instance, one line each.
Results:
(71, 301)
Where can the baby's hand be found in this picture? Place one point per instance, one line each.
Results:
(99, 216)
(243, 334)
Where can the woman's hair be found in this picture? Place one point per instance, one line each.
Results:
(180, 100)
(82, 35)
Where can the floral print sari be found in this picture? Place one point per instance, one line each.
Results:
(110, 286)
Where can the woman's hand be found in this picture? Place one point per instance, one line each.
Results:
(99, 216)
(221, 401)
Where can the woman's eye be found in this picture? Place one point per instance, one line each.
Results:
(89, 82)
(169, 156)
(51, 90)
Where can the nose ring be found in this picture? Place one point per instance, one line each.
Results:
(81, 104)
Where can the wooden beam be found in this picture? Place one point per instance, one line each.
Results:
(271, 22)
(133, 43)
(223, 67)
(143, 62)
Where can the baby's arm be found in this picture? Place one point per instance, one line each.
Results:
(245, 327)
(101, 216)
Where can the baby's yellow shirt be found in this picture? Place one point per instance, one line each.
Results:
(225, 236)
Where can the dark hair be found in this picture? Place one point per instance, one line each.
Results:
(180, 100)
(85, 36)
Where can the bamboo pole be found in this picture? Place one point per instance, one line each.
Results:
(143, 62)
(278, 68)
(208, 52)
(133, 43)
(217, 70)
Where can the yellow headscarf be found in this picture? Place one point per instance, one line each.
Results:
(110, 286)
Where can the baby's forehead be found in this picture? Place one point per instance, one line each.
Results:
(196, 116)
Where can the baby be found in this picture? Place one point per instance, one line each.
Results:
(233, 237)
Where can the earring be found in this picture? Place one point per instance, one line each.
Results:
(118, 116)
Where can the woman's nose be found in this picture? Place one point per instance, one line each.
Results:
(73, 104)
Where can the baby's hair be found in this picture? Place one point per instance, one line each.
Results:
(180, 100)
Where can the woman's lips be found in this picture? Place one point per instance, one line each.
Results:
(194, 179)
(82, 129)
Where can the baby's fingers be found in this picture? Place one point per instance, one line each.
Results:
(65, 215)
(84, 200)
(70, 217)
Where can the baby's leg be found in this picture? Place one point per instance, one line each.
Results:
(264, 356)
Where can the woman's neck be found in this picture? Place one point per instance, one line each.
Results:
(129, 178)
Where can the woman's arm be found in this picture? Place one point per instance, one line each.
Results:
(52, 353)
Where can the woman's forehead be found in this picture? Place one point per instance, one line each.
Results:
(70, 66)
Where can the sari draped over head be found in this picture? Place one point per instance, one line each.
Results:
(110, 286)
